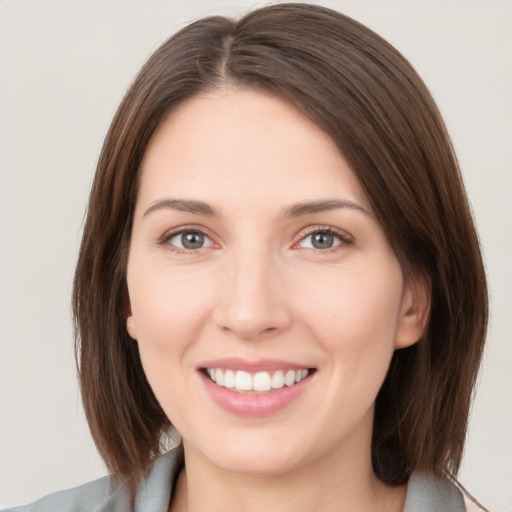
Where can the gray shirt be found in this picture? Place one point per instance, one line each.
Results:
(424, 493)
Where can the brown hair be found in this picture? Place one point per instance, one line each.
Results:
(369, 99)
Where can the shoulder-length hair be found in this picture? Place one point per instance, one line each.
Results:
(368, 98)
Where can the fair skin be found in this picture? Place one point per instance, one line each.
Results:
(255, 250)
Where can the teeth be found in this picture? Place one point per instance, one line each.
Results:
(300, 375)
(243, 381)
(289, 378)
(229, 379)
(261, 381)
(219, 377)
(278, 380)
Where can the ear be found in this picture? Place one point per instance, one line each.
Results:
(415, 311)
(130, 321)
(131, 327)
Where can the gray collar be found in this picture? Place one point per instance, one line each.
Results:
(424, 493)
(428, 494)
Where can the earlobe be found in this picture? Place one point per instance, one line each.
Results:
(130, 327)
(415, 312)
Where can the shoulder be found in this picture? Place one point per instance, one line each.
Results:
(425, 493)
(109, 495)
(85, 497)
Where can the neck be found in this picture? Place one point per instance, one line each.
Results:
(352, 487)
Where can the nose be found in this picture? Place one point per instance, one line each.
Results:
(253, 303)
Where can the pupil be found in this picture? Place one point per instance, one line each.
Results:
(192, 240)
(322, 241)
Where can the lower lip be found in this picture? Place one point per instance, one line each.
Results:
(254, 405)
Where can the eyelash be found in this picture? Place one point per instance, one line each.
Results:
(167, 237)
(344, 238)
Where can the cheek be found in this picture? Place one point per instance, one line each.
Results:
(165, 303)
(168, 311)
(355, 322)
(356, 318)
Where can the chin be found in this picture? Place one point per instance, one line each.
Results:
(261, 464)
(251, 456)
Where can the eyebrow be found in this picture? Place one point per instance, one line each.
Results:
(183, 205)
(298, 209)
(295, 210)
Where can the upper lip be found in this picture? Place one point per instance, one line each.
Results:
(259, 365)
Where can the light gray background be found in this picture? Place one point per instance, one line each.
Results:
(63, 68)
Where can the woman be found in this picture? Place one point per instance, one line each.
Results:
(280, 262)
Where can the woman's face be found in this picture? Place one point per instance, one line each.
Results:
(256, 262)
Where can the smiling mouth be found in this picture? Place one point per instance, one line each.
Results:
(259, 382)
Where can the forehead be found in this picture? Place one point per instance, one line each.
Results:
(219, 144)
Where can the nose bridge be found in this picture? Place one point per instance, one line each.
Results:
(253, 303)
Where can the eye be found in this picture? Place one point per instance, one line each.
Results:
(323, 239)
(189, 240)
